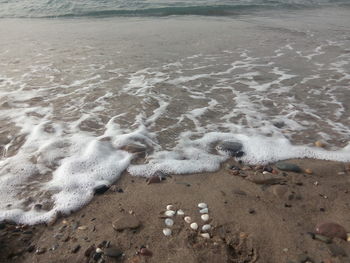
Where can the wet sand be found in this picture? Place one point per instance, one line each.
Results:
(253, 220)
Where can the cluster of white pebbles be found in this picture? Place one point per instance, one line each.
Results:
(171, 212)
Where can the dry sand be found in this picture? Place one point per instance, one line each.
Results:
(251, 222)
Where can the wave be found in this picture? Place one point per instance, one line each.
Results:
(201, 10)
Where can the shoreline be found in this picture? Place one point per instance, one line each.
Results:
(255, 217)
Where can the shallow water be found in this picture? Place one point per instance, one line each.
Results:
(73, 92)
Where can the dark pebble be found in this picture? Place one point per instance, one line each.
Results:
(75, 249)
(279, 124)
(239, 154)
(97, 256)
(287, 205)
(88, 252)
(251, 211)
(66, 238)
(322, 209)
(101, 189)
(38, 206)
(31, 248)
(102, 244)
(113, 252)
(232, 148)
(288, 167)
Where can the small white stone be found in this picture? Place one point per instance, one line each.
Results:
(169, 207)
(169, 213)
(205, 217)
(265, 172)
(206, 227)
(205, 235)
(202, 205)
(188, 219)
(169, 222)
(204, 211)
(98, 250)
(180, 212)
(194, 226)
(167, 232)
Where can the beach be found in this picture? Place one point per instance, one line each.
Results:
(124, 130)
(270, 221)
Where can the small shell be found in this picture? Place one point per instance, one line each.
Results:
(169, 207)
(205, 235)
(169, 222)
(180, 212)
(194, 226)
(98, 250)
(188, 219)
(202, 205)
(82, 227)
(167, 232)
(169, 213)
(205, 217)
(204, 211)
(206, 227)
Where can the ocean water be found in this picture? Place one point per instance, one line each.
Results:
(62, 8)
(80, 82)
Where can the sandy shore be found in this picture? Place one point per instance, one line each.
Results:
(255, 217)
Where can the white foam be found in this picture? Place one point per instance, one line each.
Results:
(194, 156)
